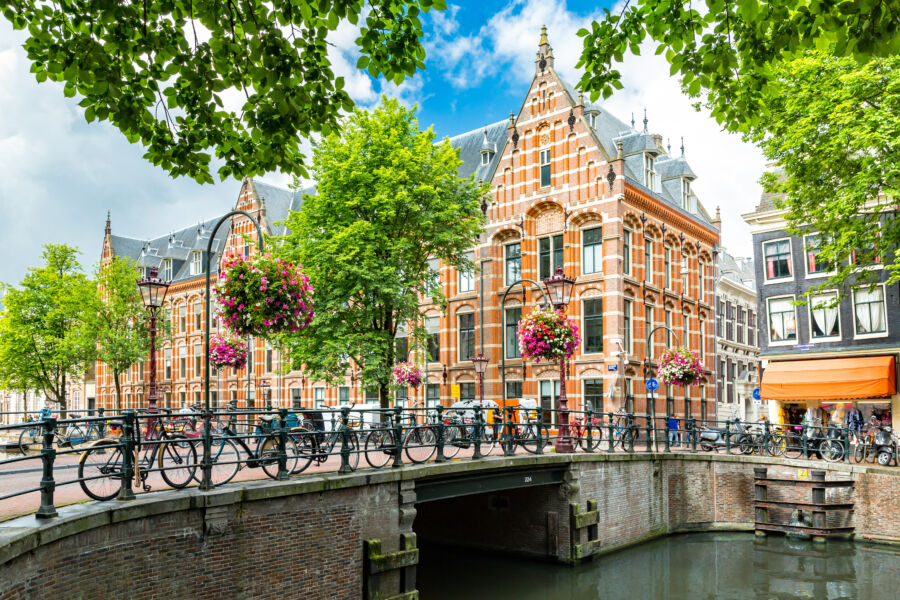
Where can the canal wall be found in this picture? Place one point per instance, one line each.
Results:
(354, 536)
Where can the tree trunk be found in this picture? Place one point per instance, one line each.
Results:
(117, 379)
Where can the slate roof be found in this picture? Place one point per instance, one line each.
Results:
(279, 201)
(740, 270)
(470, 144)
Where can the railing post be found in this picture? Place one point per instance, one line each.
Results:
(398, 433)
(766, 436)
(845, 434)
(101, 426)
(650, 432)
(345, 440)
(728, 435)
(631, 428)
(282, 445)
(612, 429)
(804, 441)
(508, 444)
(48, 485)
(693, 422)
(477, 431)
(206, 461)
(440, 435)
(540, 429)
(589, 417)
(126, 492)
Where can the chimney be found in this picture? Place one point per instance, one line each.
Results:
(717, 222)
(658, 139)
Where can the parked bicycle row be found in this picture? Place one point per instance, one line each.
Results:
(192, 448)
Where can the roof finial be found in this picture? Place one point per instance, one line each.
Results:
(108, 229)
(669, 145)
(544, 41)
(645, 119)
(632, 120)
(512, 120)
(682, 145)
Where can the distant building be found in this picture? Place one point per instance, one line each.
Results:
(837, 351)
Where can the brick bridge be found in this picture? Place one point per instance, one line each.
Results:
(355, 536)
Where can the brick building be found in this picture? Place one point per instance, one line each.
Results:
(572, 186)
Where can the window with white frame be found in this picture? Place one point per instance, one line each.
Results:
(467, 277)
(648, 259)
(196, 263)
(815, 264)
(550, 255)
(824, 316)
(869, 311)
(466, 336)
(777, 255)
(650, 171)
(545, 167)
(629, 333)
(512, 316)
(685, 194)
(319, 397)
(626, 251)
(667, 266)
(434, 272)
(782, 319)
(167, 269)
(513, 262)
(592, 250)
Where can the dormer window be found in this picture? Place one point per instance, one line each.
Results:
(196, 263)
(685, 193)
(167, 269)
(650, 171)
(486, 157)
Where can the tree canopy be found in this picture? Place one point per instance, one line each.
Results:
(161, 71)
(727, 51)
(44, 328)
(388, 200)
(833, 129)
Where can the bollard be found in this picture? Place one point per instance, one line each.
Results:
(508, 441)
(728, 435)
(48, 485)
(440, 435)
(540, 430)
(126, 492)
(282, 445)
(398, 436)
(477, 431)
(345, 440)
(693, 422)
(206, 462)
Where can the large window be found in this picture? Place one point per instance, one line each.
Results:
(198, 317)
(467, 391)
(319, 397)
(593, 395)
(296, 400)
(182, 318)
(514, 389)
(467, 336)
(467, 278)
(432, 395)
(549, 394)
(198, 360)
(629, 334)
(782, 319)
(667, 265)
(868, 306)
(401, 396)
(668, 327)
(513, 260)
(593, 325)
(778, 259)
(344, 394)
(512, 317)
(550, 255)
(592, 251)
(167, 354)
(182, 361)
(648, 260)
(434, 272)
(167, 269)
(433, 326)
(824, 320)
(626, 251)
(814, 262)
(401, 343)
(545, 167)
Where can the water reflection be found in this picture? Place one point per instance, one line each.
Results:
(731, 566)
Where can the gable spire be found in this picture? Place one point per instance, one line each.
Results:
(108, 229)
(544, 58)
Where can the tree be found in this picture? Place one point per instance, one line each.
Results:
(161, 71)
(833, 128)
(119, 322)
(388, 199)
(726, 50)
(44, 333)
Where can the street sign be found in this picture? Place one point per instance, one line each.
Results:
(756, 395)
(454, 390)
(612, 367)
(264, 384)
(652, 385)
(802, 473)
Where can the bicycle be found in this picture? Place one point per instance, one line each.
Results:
(578, 432)
(315, 444)
(100, 468)
(624, 436)
(73, 435)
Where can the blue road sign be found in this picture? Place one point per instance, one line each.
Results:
(756, 394)
(652, 385)
(612, 367)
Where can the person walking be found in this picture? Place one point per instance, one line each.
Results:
(673, 432)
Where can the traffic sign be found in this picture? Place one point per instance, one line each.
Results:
(756, 394)
(652, 385)
(612, 367)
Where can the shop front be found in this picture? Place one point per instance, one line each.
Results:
(826, 389)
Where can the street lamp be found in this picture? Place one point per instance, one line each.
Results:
(559, 288)
(480, 363)
(153, 291)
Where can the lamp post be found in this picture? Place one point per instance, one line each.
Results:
(480, 363)
(559, 288)
(153, 291)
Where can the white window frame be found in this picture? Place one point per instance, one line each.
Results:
(506, 261)
(167, 269)
(887, 325)
(319, 397)
(545, 158)
(806, 260)
(464, 277)
(809, 315)
(766, 278)
(598, 264)
(196, 262)
(628, 307)
(796, 339)
(650, 171)
(485, 158)
(685, 193)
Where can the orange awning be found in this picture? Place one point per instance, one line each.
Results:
(829, 379)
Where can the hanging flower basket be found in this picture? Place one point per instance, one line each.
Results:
(680, 366)
(407, 374)
(227, 350)
(262, 296)
(547, 334)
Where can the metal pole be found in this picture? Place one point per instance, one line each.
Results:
(503, 333)
(152, 406)
(651, 404)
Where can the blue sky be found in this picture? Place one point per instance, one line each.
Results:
(59, 175)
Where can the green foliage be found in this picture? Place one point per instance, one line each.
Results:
(160, 71)
(388, 199)
(45, 336)
(727, 49)
(833, 127)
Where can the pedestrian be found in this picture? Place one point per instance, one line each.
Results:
(46, 411)
(673, 432)
(855, 423)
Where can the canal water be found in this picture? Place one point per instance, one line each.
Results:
(721, 566)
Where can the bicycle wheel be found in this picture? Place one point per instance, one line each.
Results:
(455, 437)
(776, 445)
(488, 443)
(353, 444)
(859, 453)
(23, 444)
(177, 462)
(305, 441)
(419, 444)
(75, 435)
(268, 455)
(380, 448)
(596, 439)
(529, 437)
(628, 440)
(224, 458)
(100, 471)
(831, 450)
(793, 446)
(746, 444)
